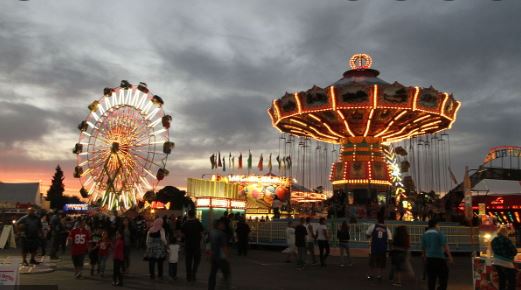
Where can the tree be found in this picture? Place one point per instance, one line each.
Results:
(55, 192)
(71, 199)
(175, 196)
(149, 196)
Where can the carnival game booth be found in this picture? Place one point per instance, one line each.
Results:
(497, 202)
(260, 193)
(500, 200)
(213, 198)
(484, 276)
(505, 209)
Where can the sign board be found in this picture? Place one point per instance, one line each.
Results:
(482, 208)
(76, 207)
(502, 152)
(9, 274)
(7, 236)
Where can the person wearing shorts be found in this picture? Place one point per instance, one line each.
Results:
(380, 236)
(30, 229)
(79, 239)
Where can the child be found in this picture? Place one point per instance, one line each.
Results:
(173, 256)
(118, 258)
(93, 251)
(103, 252)
(78, 238)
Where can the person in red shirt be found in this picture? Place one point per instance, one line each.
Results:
(103, 252)
(79, 238)
(119, 258)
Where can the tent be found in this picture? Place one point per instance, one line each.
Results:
(22, 193)
(496, 186)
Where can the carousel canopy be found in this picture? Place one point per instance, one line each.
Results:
(362, 105)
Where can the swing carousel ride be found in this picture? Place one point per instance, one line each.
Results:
(123, 146)
(366, 115)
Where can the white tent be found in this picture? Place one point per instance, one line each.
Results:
(20, 192)
(497, 187)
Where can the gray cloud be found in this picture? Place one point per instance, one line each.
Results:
(13, 116)
(219, 65)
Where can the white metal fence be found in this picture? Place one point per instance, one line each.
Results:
(460, 238)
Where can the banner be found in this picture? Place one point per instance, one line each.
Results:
(502, 152)
(7, 237)
(9, 275)
(482, 208)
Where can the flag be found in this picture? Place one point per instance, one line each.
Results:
(219, 164)
(467, 197)
(230, 160)
(249, 160)
(212, 160)
(240, 161)
(278, 161)
(233, 162)
(288, 161)
(260, 166)
(452, 176)
(270, 166)
(224, 164)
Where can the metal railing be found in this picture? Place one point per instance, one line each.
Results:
(459, 238)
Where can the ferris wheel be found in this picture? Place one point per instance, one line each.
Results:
(123, 146)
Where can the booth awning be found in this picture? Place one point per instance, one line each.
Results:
(495, 187)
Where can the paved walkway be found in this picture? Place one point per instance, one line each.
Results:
(262, 270)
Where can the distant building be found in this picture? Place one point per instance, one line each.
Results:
(15, 194)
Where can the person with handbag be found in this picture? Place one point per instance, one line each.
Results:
(155, 252)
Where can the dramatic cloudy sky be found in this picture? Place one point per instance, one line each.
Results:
(218, 64)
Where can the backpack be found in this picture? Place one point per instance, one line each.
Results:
(379, 239)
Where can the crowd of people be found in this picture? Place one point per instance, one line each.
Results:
(100, 237)
(305, 237)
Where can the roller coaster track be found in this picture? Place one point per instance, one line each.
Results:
(454, 197)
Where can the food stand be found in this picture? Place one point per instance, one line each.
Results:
(484, 275)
